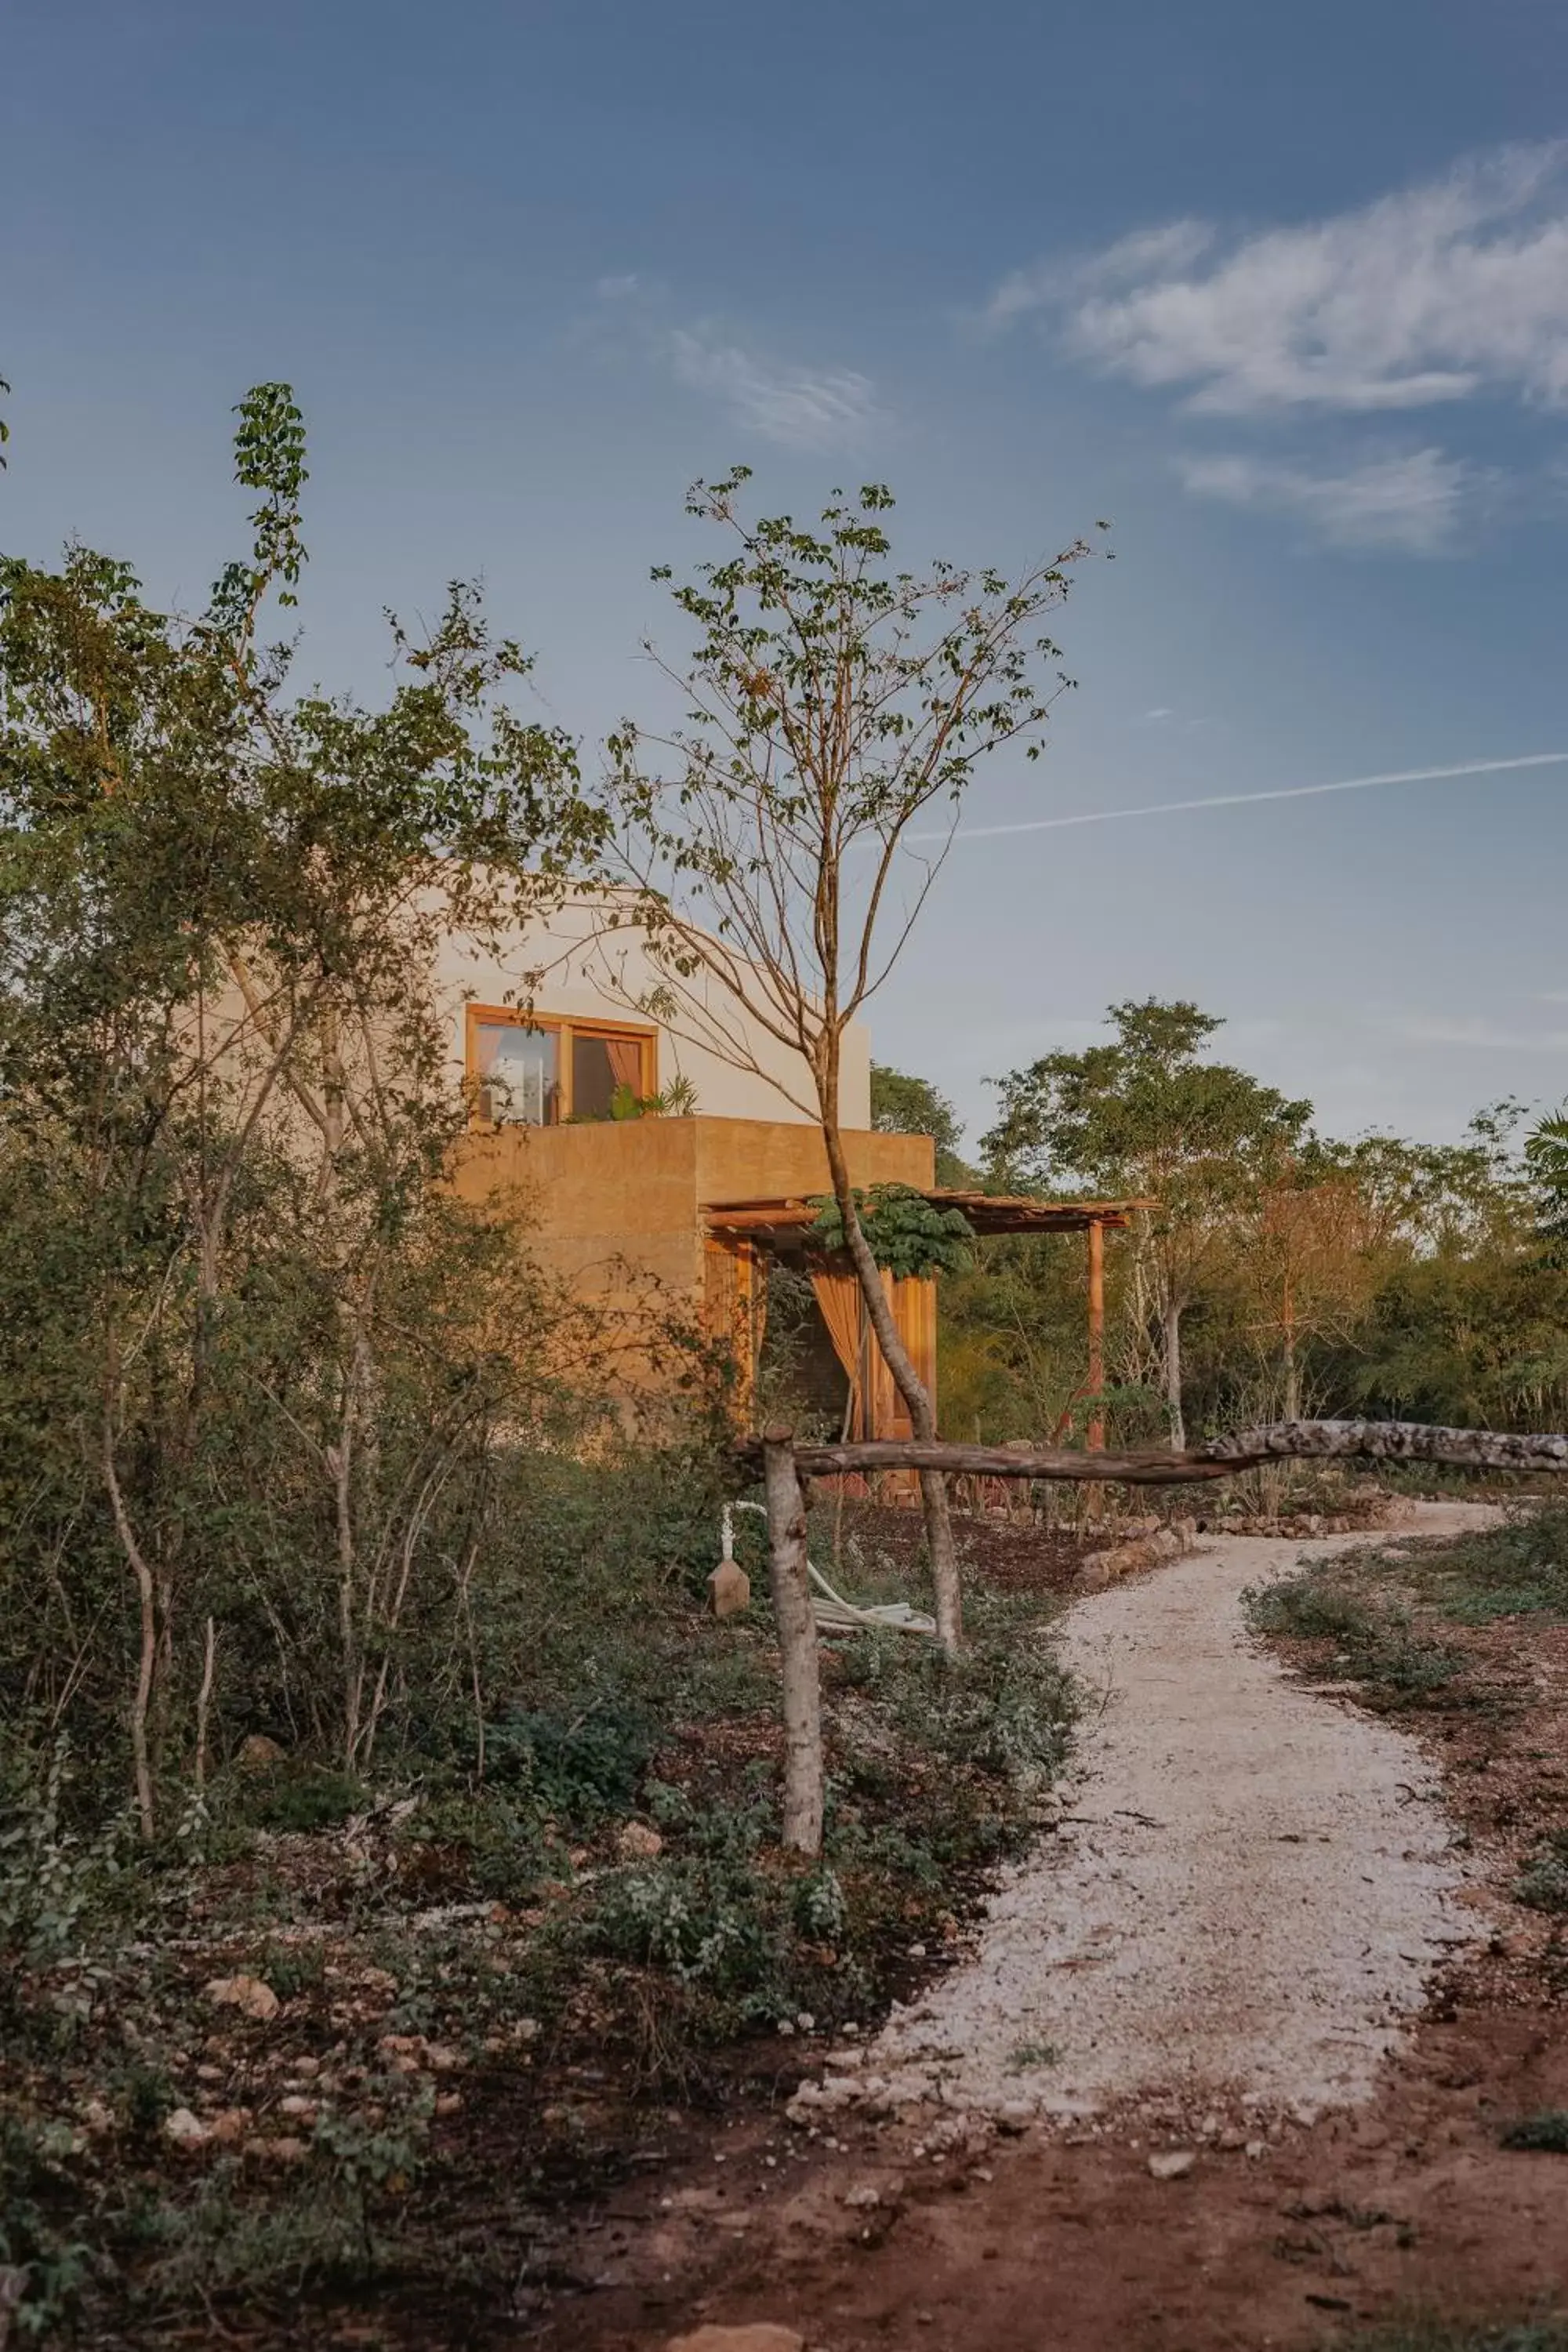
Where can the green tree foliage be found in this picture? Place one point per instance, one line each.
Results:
(902, 1105)
(908, 1235)
(252, 1358)
(1546, 1167)
(1146, 1116)
(1381, 1277)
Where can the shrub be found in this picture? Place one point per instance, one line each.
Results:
(1378, 1645)
(1543, 1883)
(1309, 1609)
(303, 1797)
(724, 1916)
(33, 2239)
(578, 1763)
(49, 1876)
(1547, 2132)
(1520, 1570)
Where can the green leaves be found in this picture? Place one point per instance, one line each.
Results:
(829, 699)
(1144, 1113)
(269, 456)
(902, 1104)
(909, 1235)
(1546, 1166)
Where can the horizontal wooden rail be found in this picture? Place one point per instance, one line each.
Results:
(1222, 1457)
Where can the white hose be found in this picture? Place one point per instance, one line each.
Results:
(835, 1614)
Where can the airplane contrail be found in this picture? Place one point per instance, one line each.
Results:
(1242, 799)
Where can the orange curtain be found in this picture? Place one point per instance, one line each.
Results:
(839, 1301)
(625, 1061)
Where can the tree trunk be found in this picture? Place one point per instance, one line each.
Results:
(933, 1486)
(791, 1588)
(1293, 1365)
(148, 1611)
(1172, 1321)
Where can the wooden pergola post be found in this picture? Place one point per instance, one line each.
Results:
(1096, 1328)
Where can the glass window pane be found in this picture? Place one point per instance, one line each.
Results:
(517, 1070)
(602, 1065)
(593, 1080)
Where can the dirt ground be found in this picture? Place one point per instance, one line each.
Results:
(964, 2237)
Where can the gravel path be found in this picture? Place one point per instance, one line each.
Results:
(1248, 1889)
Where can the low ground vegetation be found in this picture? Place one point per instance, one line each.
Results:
(541, 1953)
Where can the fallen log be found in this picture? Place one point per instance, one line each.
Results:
(1389, 1441)
(1221, 1457)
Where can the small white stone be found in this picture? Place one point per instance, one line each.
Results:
(185, 2129)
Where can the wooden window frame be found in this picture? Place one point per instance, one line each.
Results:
(566, 1027)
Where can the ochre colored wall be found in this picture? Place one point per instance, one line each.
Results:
(636, 1189)
(620, 1189)
(764, 1160)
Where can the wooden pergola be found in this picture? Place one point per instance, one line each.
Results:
(782, 1226)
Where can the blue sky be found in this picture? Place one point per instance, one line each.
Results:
(1284, 293)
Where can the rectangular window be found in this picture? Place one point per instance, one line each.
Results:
(518, 1072)
(540, 1071)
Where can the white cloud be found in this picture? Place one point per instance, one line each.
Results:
(1432, 294)
(1408, 503)
(1154, 252)
(803, 407)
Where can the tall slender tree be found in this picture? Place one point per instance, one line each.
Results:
(782, 839)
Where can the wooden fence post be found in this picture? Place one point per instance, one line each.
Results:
(797, 1620)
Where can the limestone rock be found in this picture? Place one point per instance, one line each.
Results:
(249, 1995)
(258, 1754)
(185, 2129)
(1172, 2163)
(761, 2336)
(636, 1842)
